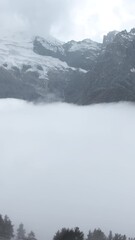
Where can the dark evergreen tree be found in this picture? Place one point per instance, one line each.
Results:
(98, 235)
(110, 236)
(31, 236)
(6, 227)
(119, 237)
(21, 233)
(89, 236)
(69, 234)
(1, 225)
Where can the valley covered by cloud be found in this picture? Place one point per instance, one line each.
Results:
(65, 166)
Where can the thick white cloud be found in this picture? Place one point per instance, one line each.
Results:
(67, 166)
(67, 19)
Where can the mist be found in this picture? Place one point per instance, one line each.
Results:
(66, 166)
(66, 20)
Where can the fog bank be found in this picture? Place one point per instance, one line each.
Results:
(66, 166)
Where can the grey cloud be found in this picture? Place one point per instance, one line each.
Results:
(59, 18)
(37, 16)
(67, 166)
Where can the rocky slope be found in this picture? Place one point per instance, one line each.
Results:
(113, 76)
(84, 72)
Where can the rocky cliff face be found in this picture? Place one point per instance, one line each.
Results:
(113, 76)
(84, 72)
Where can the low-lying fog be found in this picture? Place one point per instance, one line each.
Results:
(67, 166)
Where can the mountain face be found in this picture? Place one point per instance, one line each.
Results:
(84, 72)
(113, 76)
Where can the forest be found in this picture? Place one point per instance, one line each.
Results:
(7, 232)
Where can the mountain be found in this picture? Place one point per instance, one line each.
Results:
(83, 72)
(113, 76)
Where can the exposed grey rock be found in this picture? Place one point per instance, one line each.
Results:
(82, 72)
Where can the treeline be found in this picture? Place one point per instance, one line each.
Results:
(6, 227)
(97, 234)
(7, 233)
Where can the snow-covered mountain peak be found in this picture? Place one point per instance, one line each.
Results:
(50, 39)
(50, 43)
(121, 37)
(82, 72)
(16, 50)
(132, 31)
(109, 37)
(83, 45)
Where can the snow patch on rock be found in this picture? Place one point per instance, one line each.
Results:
(17, 51)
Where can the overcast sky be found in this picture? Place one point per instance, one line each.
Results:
(67, 166)
(67, 19)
